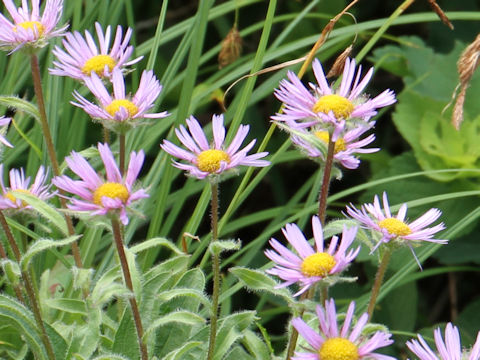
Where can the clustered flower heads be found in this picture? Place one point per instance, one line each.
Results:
(204, 159)
(120, 111)
(326, 105)
(101, 196)
(82, 56)
(347, 343)
(29, 28)
(345, 146)
(310, 265)
(448, 349)
(396, 228)
(20, 183)
(327, 113)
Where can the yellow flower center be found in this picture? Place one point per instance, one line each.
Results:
(341, 107)
(111, 190)
(12, 197)
(325, 137)
(97, 63)
(209, 160)
(318, 264)
(338, 349)
(31, 25)
(115, 105)
(395, 227)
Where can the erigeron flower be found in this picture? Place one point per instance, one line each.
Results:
(345, 147)
(109, 195)
(347, 343)
(310, 265)
(4, 121)
(333, 109)
(450, 349)
(19, 183)
(121, 112)
(29, 28)
(396, 228)
(81, 56)
(204, 159)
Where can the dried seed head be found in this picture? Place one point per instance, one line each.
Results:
(438, 10)
(339, 64)
(466, 66)
(468, 61)
(231, 48)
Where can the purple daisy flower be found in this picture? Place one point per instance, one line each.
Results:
(82, 56)
(20, 183)
(28, 27)
(310, 265)
(396, 227)
(328, 107)
(4, 121)
(348, 340)
(100, 196)
(345, 146)
(121, 112)
(205, 159)
(449, 349)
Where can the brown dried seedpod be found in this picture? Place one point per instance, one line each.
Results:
(231, 48)
(466, 65)
(438, 10)
(339, 64)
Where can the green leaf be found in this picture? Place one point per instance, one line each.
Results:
(42, 245)
(468, 321)
(258, 281)
(182, 317)
(108, 287)
(178, 354)
(399, 308)
(86, 338)
(134, 273)
(45, 210)
(238, 352)
(256, 346)
(125, 341)
(335, 227)
(152, 243)
(220, 246)
(22, 322)
(111, 357)
(175, 293)
(82, 278)
(230, 330)
(72, 306)
(11, 270)
(20, 104)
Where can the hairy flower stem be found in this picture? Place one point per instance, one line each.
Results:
(106, 135)
(117, 237)
(37, 85)
(122, 153)
(322, 199)
(216, 272)
(292, 343)
(322, 212)
(382, 268)
(27, 281)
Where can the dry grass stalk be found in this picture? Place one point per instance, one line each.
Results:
(231, 48)
(438, 10)
(466, 66)
(339, 64)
